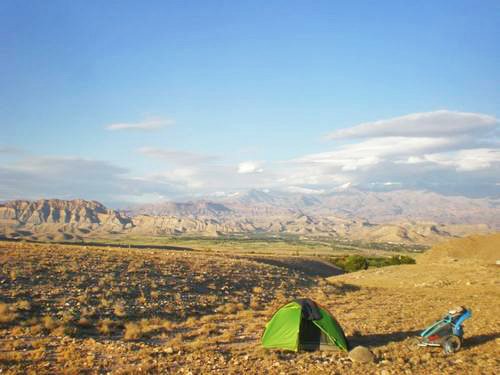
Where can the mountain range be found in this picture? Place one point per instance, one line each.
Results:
(399, 216)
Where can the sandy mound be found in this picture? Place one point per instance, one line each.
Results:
(483, 248)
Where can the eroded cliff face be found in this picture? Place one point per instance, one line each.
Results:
(58, 219)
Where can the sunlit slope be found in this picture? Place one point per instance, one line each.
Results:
(483, 248)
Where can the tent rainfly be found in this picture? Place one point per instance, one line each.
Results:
(303, 325)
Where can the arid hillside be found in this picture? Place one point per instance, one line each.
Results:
(372, 206)
(477, 248)
(76, 220)
(73, 309)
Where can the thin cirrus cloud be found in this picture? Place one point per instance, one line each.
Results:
(177, 156)
(438, 123)
(73, 177)
(9, 150)
(145, 125)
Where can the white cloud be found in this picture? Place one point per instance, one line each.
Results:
(304, 190)
(427, 124)
(373, 151)
(427, 151)
(391, 183)
(145, 125)
(463, 161)
(466, 160)
(10, 151)
(247, 167)
(345, 186)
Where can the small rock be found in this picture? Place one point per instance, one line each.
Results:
(361, 354)
(169, 350)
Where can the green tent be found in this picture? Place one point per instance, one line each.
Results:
(302, 324)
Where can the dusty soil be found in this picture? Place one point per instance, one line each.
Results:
(70, 309)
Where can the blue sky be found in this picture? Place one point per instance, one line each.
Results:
(243, 94)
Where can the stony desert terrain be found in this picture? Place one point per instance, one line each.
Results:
(72, 309)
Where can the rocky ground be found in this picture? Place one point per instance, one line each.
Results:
(70, 309)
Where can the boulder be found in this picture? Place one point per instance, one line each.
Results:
(361, 354)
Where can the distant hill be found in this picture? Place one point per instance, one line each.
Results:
(187, 209)
(376, 207)
(56, 219)
(255, 214)
(352, 204)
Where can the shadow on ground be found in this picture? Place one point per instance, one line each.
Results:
(480, 339)
(381, 339)
(308, 266)
(376, 340)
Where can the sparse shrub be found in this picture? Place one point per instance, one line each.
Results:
(177, 341)
(68, 354)
(230, 308)
(49, 323)
(133, 331)
(68, 317)
(104, 303)
(209, 329)
(23, 305)
(228, 334)
(355, 263)
(104, 328)
(255, 303)
(402, 259)
(141, 300)
(155, 294)
(7, 315)
(394, 260)
(64, 330)
(17, 331)
(36, 329)
(83, 298)
(258, 290)
(119, 309)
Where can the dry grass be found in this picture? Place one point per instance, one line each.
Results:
(140, 311)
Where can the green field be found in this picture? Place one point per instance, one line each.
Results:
(266, 245)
